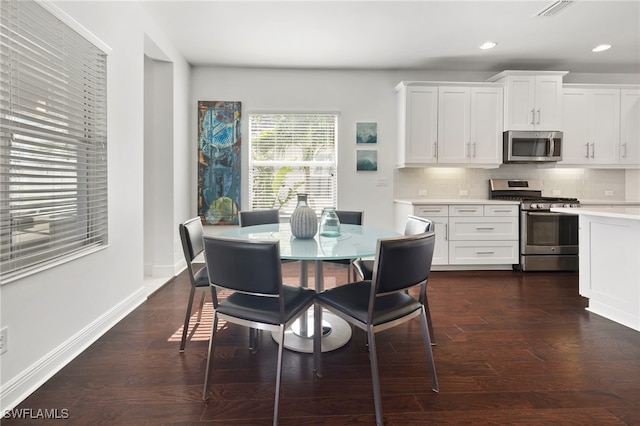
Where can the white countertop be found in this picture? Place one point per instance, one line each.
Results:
(420, 201)
(632, 213)
(609, 202)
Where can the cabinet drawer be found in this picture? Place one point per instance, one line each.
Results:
(431, 210)
(501, 210)
(466, 210)
(483, 252)
(483, 228)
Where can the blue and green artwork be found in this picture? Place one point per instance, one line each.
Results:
(219, 139)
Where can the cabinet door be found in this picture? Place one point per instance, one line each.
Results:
(604, 126)
(454, 106)
(630, 126)
(441, 249)
(486, 125)
(548, 102)
(421, 125)
(520, 107)
(575, 148)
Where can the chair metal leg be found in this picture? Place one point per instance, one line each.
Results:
(185, 329)
(214, 328)
(253, 340)
(428, 313)
(373, 360)
(276, 403)
(427, 346)
(317, 339)
(200, 308)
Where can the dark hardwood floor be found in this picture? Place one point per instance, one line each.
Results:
(512, 348)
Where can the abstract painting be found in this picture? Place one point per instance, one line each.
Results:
(367, 160)
(219, 139)
(366, 132)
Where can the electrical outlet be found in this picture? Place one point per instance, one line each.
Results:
(422, 192)
(383, 181)
(4, 342)
(608, 193)
(463, 193)
(556, 192)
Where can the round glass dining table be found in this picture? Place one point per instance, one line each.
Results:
(354, 241)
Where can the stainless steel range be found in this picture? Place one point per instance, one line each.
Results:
(548, 240)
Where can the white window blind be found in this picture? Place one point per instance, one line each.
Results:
(53, 154)
(289, 154)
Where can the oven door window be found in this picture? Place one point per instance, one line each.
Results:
(551, 229)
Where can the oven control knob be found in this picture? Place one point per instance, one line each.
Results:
(567, 205)
(534, 206)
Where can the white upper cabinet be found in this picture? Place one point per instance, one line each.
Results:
(448, 124)
(417, 125)
(630, 126)
(591, 126)
(454, 107)
(601, 126)
(533, 100)
(486, 124)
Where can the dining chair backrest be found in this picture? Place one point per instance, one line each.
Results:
(402, 262)
(259, 217)
(417, 225)
(350, 217)
(191, 234)
(246, 266)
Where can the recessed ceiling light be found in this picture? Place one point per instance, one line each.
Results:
(601, 48)
(488, 45)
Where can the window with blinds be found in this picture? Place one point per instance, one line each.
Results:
(53, 154)
(291, 153)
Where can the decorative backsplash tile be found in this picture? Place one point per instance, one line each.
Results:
(446, 183)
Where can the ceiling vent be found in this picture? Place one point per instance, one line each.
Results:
(554, 8)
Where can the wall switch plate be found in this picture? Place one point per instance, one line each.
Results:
(422, 192)
(608, 193)
(4, 343)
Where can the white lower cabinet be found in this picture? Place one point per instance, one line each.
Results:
(469, 234)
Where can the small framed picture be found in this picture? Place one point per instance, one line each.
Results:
(366, 132)
(367, 160)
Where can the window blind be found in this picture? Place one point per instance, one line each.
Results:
(53, 154)
(291, 153)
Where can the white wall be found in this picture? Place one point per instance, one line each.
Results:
(53, 315)
(358, 96)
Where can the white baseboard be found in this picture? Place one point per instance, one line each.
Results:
(20, 387)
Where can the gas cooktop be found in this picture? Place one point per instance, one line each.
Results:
(529, 192)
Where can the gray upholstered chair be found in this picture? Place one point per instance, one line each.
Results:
(251, 271)
(258, 217)
(191, 234)
(364, 267)
(382, 303)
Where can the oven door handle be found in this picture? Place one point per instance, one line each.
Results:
(548, 214)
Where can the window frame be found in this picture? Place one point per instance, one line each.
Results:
(320, 180)
(53, 140)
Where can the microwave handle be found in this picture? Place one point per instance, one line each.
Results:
(552, 145)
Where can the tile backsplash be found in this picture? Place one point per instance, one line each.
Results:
(447, 183)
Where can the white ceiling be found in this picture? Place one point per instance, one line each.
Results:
(419, 34)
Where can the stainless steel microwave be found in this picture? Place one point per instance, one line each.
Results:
(532, 146)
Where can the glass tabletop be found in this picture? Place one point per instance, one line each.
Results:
(354, 242)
